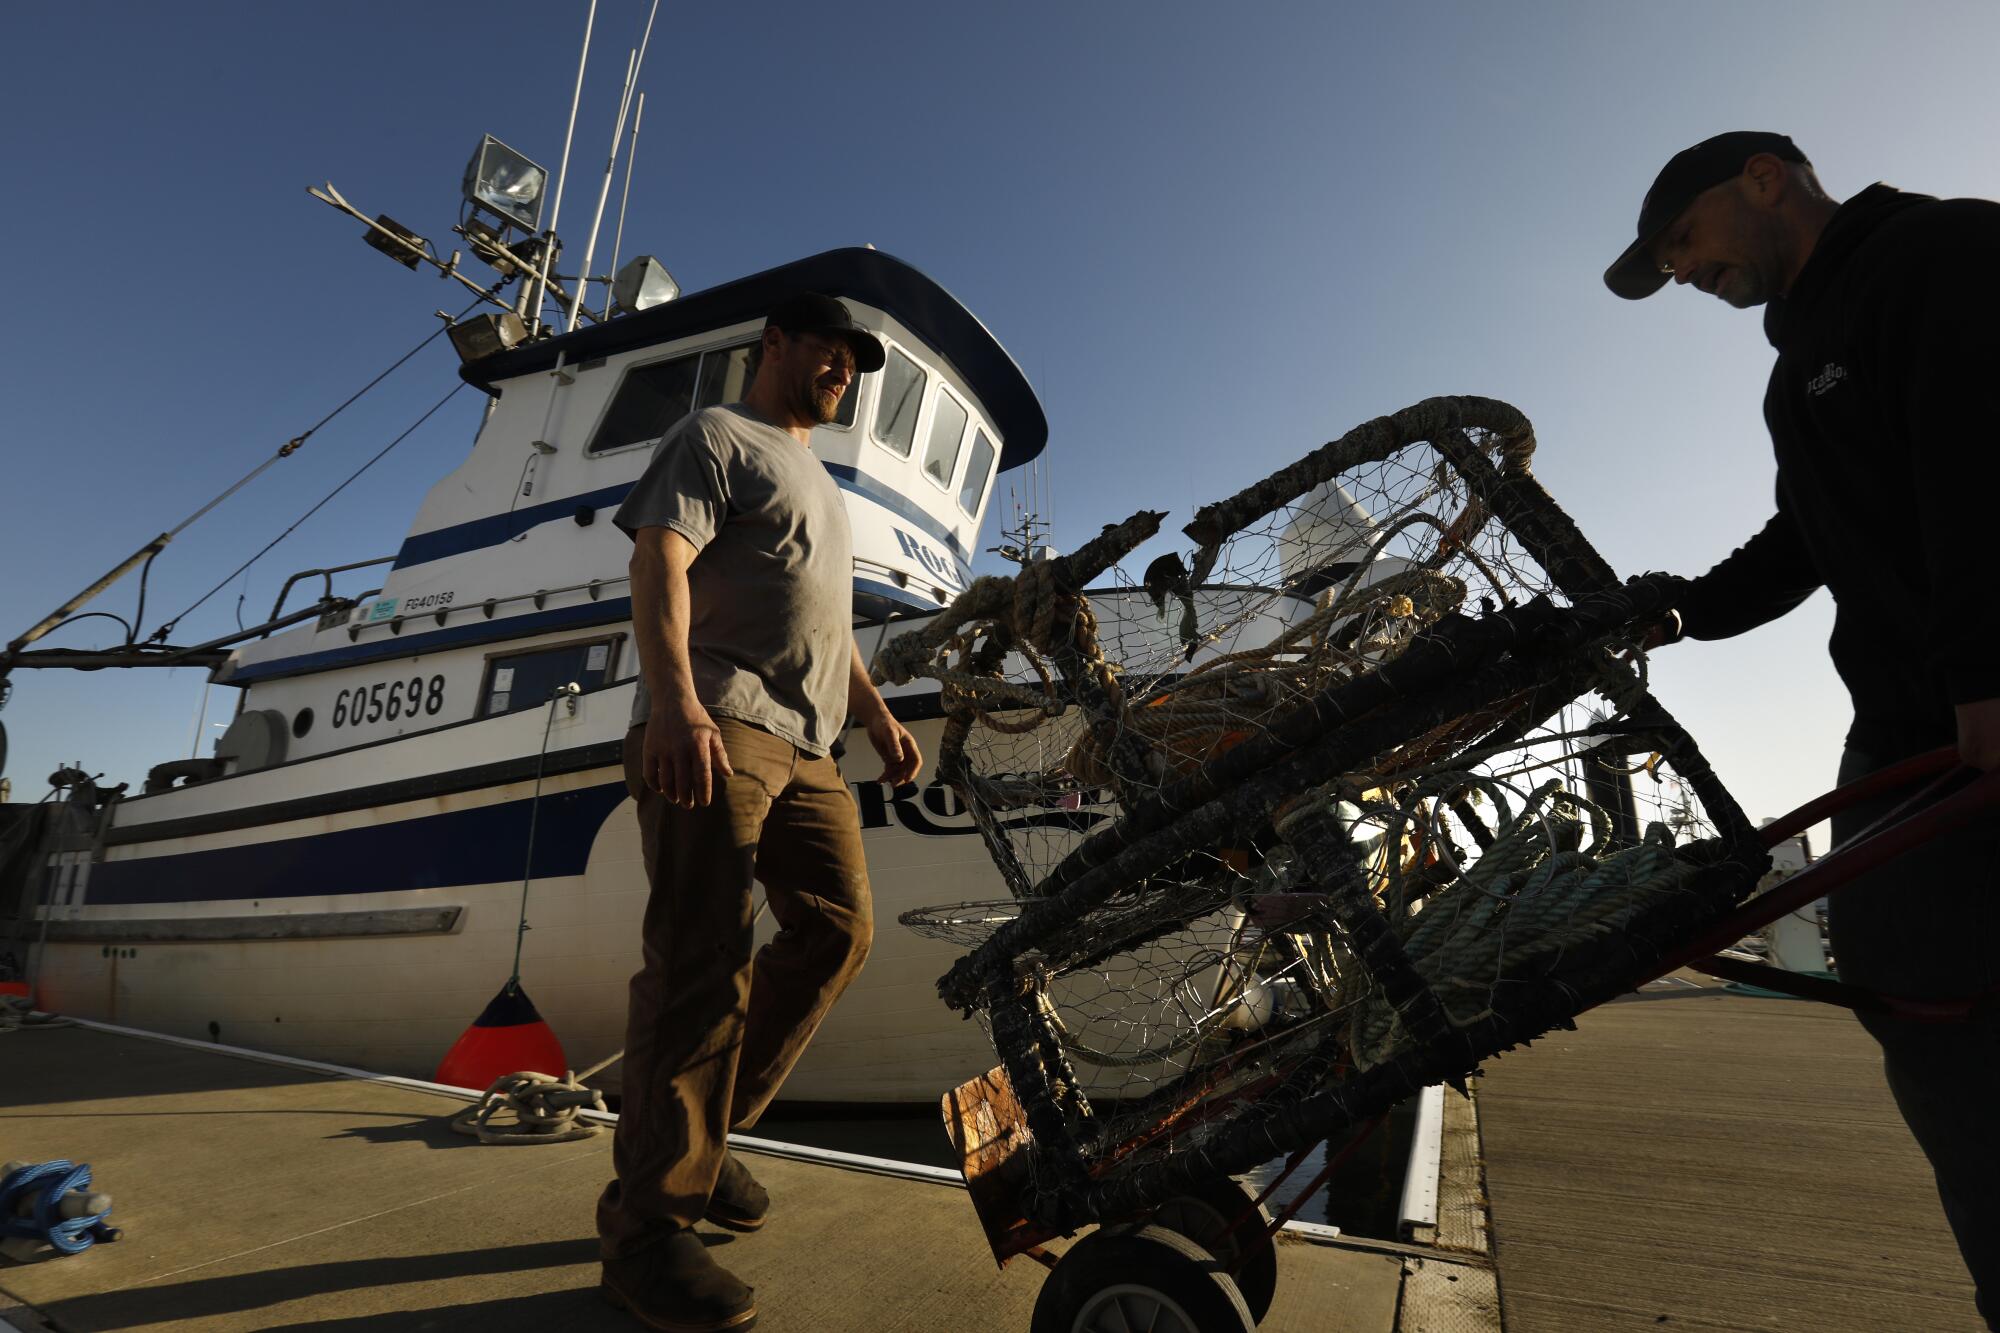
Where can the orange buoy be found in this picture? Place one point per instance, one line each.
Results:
(508, 1038)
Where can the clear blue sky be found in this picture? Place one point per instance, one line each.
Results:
(1214, 236)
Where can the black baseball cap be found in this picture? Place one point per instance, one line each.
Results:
(813, 312)
(1691, 171)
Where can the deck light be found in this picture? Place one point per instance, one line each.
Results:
(395, 240)
(643, 284)
(491, 245)
(488, 335)
(506, 184)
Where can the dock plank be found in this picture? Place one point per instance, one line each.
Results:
(261, 1197)
(1698, 1159)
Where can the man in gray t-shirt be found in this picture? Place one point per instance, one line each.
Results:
(742, 596)
(771, 597)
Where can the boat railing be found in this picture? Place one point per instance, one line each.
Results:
(278, 607)
(593, 587)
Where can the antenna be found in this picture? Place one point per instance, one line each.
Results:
(534, 310)
(611, 164)
(1026, 540)
(1047, 459)
(631, 162)
(603, 193)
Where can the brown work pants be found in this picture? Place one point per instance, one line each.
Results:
(712, 1032)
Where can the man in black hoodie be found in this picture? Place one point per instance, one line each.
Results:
(1885, 311)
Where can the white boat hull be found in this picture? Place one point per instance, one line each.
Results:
(304, 848)
(397, 1002)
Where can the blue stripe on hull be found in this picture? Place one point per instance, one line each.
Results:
(482, 846)
(899, 600)
(497, 529)
(860, 483)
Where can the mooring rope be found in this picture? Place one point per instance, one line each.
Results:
(566, 691)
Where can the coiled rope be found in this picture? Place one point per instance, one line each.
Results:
(1526, 900)
(544, 1107)
(44, 1204)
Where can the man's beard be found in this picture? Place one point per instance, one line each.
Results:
(816, 405)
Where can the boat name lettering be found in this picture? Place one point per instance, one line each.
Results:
(430, 601)
(881, 806)
(390, 699)
(925, 556)
(935, 811)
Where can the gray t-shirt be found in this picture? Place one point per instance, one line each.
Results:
(770, 633)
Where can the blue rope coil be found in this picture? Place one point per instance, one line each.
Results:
(49, 1182)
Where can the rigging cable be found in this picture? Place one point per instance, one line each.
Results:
(160, 634)
(151, 550)
(139, 616)
(85, 615)
(292, 446)
(286, 450)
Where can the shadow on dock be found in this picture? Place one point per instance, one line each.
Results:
(256, 1196)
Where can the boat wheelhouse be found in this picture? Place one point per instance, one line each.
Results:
(343, 878)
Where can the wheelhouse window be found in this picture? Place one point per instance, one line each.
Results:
(973, 489)
(654, 396)
(948, 424)
(896, 410)
(849, 404)
(517, 681)
(650, 398)
(725, 375)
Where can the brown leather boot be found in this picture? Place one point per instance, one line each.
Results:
(738, 1201)
(675, 1287)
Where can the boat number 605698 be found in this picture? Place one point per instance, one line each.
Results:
(388, 699)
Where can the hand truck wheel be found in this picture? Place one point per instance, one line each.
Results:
(1125, 1277)
(1204, 1215)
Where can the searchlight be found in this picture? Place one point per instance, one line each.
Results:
(506, 184)
(643, 284)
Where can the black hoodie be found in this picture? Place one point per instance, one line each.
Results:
(1883, 416)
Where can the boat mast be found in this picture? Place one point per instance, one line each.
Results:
(632, 67)
(618, 234)
(533, 312)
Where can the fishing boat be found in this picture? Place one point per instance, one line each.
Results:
(344, 877)
(421, 787)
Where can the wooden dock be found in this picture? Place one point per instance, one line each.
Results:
(1691, 1158)
(257, 1195)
